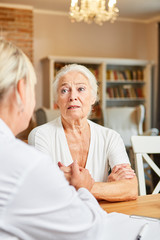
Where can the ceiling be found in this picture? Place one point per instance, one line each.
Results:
(133, 9)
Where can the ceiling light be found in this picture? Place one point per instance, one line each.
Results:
(93, 10)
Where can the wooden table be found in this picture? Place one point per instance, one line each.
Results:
(148, 205)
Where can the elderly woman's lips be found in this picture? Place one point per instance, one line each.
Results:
(73, 107)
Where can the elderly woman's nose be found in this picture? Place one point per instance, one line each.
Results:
(73, 95)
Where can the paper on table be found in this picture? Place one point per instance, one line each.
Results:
(120, 226)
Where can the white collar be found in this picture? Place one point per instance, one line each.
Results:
(4, 129)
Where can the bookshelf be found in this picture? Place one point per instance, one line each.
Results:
(124, 85)
(122, 82)
(128, 83)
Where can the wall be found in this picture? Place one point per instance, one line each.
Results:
(16, 25)
(56, 35)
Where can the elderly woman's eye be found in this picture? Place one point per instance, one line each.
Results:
(80, 89)
(65, 90)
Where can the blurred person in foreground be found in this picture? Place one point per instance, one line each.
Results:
(36, 201)
(72, 137)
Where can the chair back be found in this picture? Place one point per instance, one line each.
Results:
(142, 146)
(127, 121)
(44, 115)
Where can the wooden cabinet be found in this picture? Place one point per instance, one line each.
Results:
(122, 82)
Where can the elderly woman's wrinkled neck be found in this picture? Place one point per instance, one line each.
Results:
(79, 125)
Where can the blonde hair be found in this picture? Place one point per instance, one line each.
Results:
(78, 68)
(14, 65)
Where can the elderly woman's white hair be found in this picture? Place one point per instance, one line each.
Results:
(14, 65)
(78, 68)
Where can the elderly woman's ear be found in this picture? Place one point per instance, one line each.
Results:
(93, 100)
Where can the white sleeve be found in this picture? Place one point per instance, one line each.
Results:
(47, 207)
(117, 151)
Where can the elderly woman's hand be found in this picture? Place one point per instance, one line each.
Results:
(77, 176)
(121, 171)
(81, 177)
(67, 170)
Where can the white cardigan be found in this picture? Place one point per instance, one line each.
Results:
(106, 147)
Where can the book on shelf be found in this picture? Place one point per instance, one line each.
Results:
(129, 91)
(139, 75)
(110, 92)
(124, 75)
(111, 75)
(125, 91)
(133, 93)
(134, 75)
(121, 76)
(115, 75)
(116, 92)
(108, 75)
(128, 74)
(139, 92)
(121, 91)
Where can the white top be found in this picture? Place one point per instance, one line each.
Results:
(106, 147)
(36, 202)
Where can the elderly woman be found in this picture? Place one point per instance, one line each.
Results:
(72, 137)
(32, 206)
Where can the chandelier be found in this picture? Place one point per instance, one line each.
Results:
(93, 10)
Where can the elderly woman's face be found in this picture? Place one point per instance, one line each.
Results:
(74, 96)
